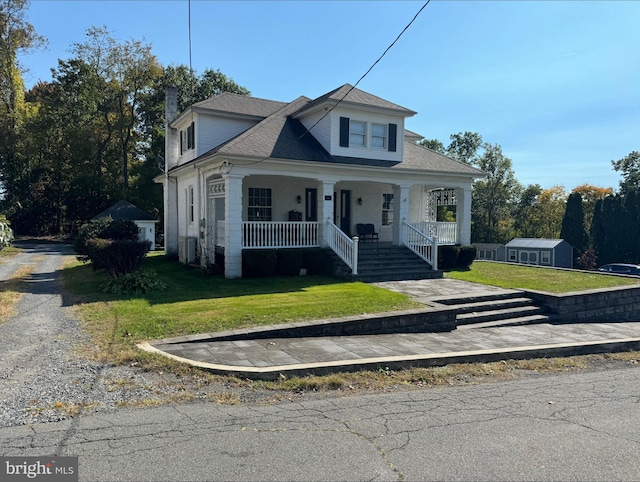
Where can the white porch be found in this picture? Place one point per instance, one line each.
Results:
(241, 213)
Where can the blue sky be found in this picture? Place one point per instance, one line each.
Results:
(555, 83)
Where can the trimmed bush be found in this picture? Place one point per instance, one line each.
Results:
(117, 257)
(316, 261)
(105, 228)
(448, 257)
(141, 282)
(466, 257)
(289, 262)
(259, 263)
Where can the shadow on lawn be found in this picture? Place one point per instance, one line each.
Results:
(183, 284)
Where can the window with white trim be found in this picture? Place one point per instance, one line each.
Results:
(188, 138)
(259, 206)
(357, 134)
(387, 209)
(379, 136)
(513, 255)
(190, 202)
(545, 257)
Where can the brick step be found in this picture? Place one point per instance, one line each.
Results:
(523, 320)
(494, 304)
(462, 299)
(492, 315)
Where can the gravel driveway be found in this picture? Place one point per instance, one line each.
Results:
(42, 379)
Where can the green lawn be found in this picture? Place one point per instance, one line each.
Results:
(197, 303)
(542, 279)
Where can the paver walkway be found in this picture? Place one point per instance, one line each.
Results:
(271, 357)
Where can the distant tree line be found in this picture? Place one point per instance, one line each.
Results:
(601, 225)
(73, 146)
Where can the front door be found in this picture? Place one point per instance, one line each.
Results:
(345, 212)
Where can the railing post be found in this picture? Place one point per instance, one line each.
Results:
(434, 252)
(354, 255)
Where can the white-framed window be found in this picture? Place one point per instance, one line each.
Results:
(190, 205)
(188, 138)
(379, 136)
(357, 133)
(259, 206)
(387, 209)
(513, 255)
(545, 257)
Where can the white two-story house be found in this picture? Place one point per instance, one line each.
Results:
(247, 173)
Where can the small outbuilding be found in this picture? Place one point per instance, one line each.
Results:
(541, 252)
(490, 251)
(125, 211)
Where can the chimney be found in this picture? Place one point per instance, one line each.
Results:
(171, 135)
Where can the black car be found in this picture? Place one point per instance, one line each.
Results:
(621, 268)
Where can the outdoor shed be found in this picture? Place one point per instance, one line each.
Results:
(125, 211)
(542, 252)
(490, 251)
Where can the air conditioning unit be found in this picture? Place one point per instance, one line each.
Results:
(187, 246)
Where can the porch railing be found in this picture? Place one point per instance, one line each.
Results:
(341, 244)
(447, 233)
(279, 234)
(424, 246)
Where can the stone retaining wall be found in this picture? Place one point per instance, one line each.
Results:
(431, 320)
(607, 304)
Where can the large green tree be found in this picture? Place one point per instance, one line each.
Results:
(629, 167)
(573, 229)
(493, 197)
(17, 36)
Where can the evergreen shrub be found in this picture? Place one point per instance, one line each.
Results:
(259, 263)
(289, 262)
(466, 256)
(448, 257)
(316, 261)
(105, 228)
(117, 256)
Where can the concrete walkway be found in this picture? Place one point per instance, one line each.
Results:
(273, 357)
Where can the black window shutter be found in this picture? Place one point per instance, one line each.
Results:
(344, 132)
(393, 136)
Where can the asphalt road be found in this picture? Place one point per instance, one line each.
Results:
(579, 426)
(582, 426)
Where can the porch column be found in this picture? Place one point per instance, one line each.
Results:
(400, 209)
(233, 230)
(463, 215)
(326, 209)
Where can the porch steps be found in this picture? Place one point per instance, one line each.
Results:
(504, 309)
(383, 262)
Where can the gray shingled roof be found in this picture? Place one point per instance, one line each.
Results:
(351, 95)
(124, 211)
(241, 104)
(282, 136)
(422, 158)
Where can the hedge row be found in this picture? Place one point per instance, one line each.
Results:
(456, 257)
(260, 263)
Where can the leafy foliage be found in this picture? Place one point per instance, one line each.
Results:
(629, 167)
(105, 228)
(140, 282)
(573, 230)
(117, 257)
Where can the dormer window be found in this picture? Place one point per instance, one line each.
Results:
(357, 134)
(354, 133)
(379, 136)
(188, 138)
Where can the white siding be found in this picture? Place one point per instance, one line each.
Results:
(369, 117)
(322, 132)
(213, 131)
